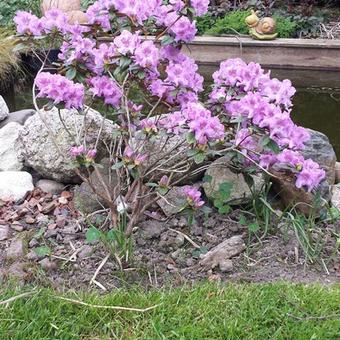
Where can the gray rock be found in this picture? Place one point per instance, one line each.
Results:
(4, 232)
(335, 201)
(167, 153)
(3, 109)
(19, 117)
(8, 154)
(221, 173)
(38, 148)
(319, 149)
(14, 185)
(84, 198)
(173, 201)
(32, 256)
(222, 252)
(151, 229)
(49, 186)
(16, 249)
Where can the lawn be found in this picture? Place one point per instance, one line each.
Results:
(209, 311)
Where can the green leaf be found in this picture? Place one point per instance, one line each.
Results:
(273, 146)
(225, 190)
(253, 227)
(242, 220)
(124, 62)
(163, 191)
(117, 166)
(43, 251)
(71, 73)
(40, 233)
(167, 40)
(218, 203)
(200, 251)
(199, 157)
(112, 235)
(151, 185)
(224, 210)
(92, 235)
(191, 138)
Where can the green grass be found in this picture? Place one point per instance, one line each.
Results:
(209, 311)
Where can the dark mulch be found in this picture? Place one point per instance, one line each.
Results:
(162, 252)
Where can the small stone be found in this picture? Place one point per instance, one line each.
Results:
(86, 251)
(33, 243)
(176, 254)
(17, 271)
(226, 266)
(16, 249)
(50, 233)
(32, 256)
(50, 187)
(190, 262)
(151, 229)
(335, 201)
(17, 226)
(4, 232)
(48, 265)
(62, 200)
(179, 240)
(29, 220)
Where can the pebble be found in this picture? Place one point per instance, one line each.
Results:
(50, 233)
(32, 256)
(179, 240)
(17, 271)
(17, 227)
(16, 249)
(33, 243)
(86, 251)
(226, 266)
(47, 264)
(50, 187)
(4, 232)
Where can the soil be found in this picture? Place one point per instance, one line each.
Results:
(166, 250)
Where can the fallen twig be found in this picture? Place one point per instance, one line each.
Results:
(13, 298)
(186, 237)
(98, 269)
(119, 308)
(325, 317)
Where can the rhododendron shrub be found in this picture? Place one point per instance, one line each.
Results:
(151, 91)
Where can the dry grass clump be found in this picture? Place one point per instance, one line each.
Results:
(9, 59)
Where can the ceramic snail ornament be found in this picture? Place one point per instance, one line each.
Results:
(261, 29)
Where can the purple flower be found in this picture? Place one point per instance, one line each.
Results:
(28, 23)
(310, 176)
(107, 88)
(193, 197)
(76, 151)
(147, 55)
(60, 89)
(164, 181)
(91, 154)
(55, 19)
(126, 42)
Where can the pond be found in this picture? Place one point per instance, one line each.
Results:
(314, 107)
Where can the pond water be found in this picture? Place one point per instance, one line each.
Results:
(314, 107)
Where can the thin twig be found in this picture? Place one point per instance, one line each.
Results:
(99, 268)
(119, 308)
(186, 237)
(13, 298)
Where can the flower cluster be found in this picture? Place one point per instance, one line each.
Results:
(60, 89)
(198, 120)
(80, 151)
(248, 96)
(54, 20)
(106, 88)
(193, 197)
(133, 158)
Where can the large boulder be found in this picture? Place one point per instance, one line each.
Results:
(220, 172)
(85, 199)
(19, 117)
(320, 150)
(14, 185)
(337, 172)
(4, 111)
(8, 154)
(46, 149)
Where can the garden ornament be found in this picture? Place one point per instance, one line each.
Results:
(261, 29)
